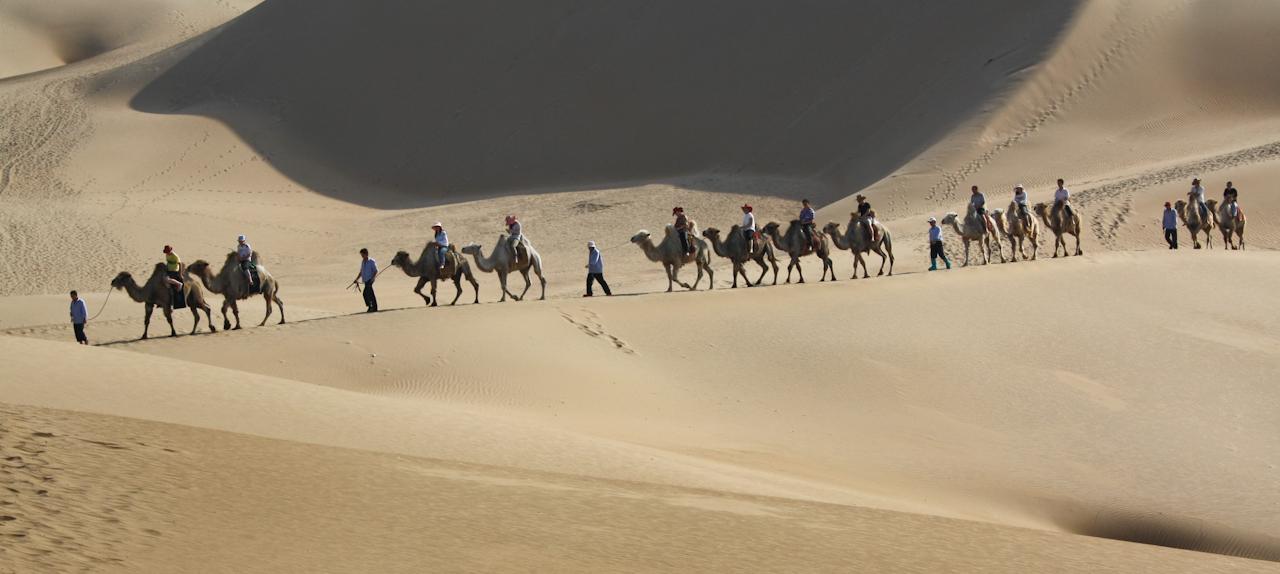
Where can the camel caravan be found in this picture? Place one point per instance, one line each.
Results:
(172, 285)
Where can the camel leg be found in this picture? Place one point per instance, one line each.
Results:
(457, 284)
(418, 290)
(711, 276)
(527, 283)
(226, 322)
(146, 319)
(434, 300)
(502, 282)
(275, 296)
(168, 317)
(790, 264)
(764, 269)
(235, 311)
(475, 285)
(266, 297)
(1078, 251)
(537, 269)
(883, 259)
(829, 266)
(195, 314)
(209, 317)
(670, 280)
(799, 269)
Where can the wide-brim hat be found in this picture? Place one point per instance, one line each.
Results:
(1019, 186)
(591, 244)
(932, 220)
(240, 238)
(437, 224)
(747, 206)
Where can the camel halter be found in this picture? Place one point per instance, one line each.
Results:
(103, 307)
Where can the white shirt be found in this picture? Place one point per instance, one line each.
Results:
(1062, 194)
(1198, 192)
(1020, 198)
(749, 221)
(244, 251)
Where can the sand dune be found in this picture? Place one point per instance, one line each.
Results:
(1113, 412)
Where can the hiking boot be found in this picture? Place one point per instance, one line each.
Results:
(933, 267)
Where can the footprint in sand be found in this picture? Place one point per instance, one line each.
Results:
(592, 327)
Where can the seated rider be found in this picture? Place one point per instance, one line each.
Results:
(244, 254)
(1062, 198)
(867, 217)
(749, 227)
(807, 225)
(442, 244)
(172, 266)
(514, 237)
(682, 229)
(978, 203)
(1020, 200)
(1197, 196)
(1229, 198)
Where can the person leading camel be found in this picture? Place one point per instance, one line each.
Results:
(682, 229)
(244, 254)
(79, 316)
(514, 236)
(749, 226)
(1170, 225)
(807, 224)
(935, 246)
(368, 272)
(1062, 199)
(595, 270)
(1020, 199)
(442, 243)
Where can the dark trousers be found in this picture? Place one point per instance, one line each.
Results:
(80, 336)
(936, 251)
(807, 229)
(749, 235)
(370, 299)
(684, 239)
(597, 277)
(1171, 237)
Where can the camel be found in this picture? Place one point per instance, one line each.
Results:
(1055, 224)
(500, 261)
(230, 282)
(793, 243)
(855, 239)
(1018, 232)
(426, 268)
(1231, 227)
(1191, 219)
(736, 250)
(672, 257)
(975, 230)
(156, 292)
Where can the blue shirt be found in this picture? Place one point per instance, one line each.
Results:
(595, 261)
(368, 270)
(978, 200)
(442, 238)
(807, 215)
(79, 312)
(935, 233)
(1170, 218)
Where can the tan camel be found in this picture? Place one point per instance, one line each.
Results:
(156, 292)
(736, 250)
(231, 283)
(975, 230)
(1191, 219)
(427, 268)
(1231, 227)
(856, 239)
(500, 261)
(1019, 232)
(672, 256)
(793, 243)
(1054, 221)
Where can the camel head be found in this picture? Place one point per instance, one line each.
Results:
(401, 259)
(831, 228)
(1212, 204)
(950, 218)
(640, 236)
(711, 233)
(474, 248)
(124, 278)
(997, 214)
(1041, 209)
(198, 268)
(770, 228)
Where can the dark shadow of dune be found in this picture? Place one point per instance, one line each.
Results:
(1170, 531)
(398, 103)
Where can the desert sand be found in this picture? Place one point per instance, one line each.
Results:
(1111, 412)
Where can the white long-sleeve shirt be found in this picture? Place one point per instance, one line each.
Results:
(1198, 193)
(1062, 194)
(244, 252)
(749, 221)
(1020, 198)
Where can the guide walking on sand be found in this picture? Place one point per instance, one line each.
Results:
(368, 272)
(1170, 226)
(79, 316)
(595, 269)
(935, 246)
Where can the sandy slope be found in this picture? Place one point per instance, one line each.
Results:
(978, 420)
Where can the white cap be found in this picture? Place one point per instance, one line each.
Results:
(1019, 186)
(240, 238)
(591, 244)
(438, 224)
(932, 220)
